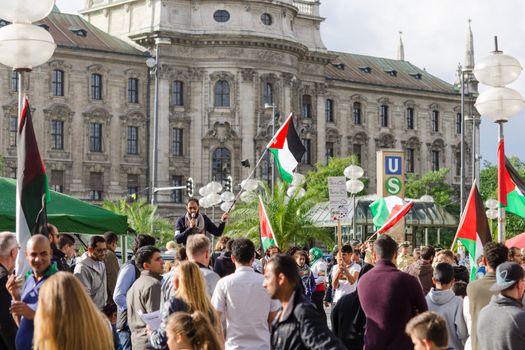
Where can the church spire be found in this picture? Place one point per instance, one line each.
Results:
(469, 54)
(401, 48)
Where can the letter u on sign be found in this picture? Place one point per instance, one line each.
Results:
(393, 165)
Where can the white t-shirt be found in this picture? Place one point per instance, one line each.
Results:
(344, 286)
(245, 304)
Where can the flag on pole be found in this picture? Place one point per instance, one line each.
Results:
(287, 149)
(32, 190)
(387, 211)
(266, 231)
(511, 187)
(473, 231)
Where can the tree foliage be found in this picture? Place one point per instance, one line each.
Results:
(2, 164)
(432, 183)
(317, 180)
(143, 218)
(488, 185)
(288, 216)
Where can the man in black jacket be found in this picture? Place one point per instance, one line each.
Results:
(8, 254)
(195, 222)
(297, 326)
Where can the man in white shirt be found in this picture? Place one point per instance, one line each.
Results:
(243, 301)
(345, 274)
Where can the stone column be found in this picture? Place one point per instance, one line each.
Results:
(247, 121)
(197, 115)
(321, 123)
(163, 143)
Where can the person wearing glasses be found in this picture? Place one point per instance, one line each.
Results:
(91, 271)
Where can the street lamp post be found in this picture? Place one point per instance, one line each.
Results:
(499, 103)
(354, 186)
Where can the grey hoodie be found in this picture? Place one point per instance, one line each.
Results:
(92, 274)
(447, 304)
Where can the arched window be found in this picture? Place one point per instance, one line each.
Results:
(221, 164)
(268, 93)
(222, 94)
(357, 113)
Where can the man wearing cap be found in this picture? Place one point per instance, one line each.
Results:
(501, 324)
(404, 259)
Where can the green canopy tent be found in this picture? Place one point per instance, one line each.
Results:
(67, 213)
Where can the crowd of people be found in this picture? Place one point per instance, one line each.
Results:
(379, 295)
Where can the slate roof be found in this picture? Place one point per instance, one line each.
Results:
(62, 27)
(384, 72)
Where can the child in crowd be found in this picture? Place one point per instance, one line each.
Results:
(305, 273)
(110, 310)
(460, 289)
(428, 331)
(444, 302)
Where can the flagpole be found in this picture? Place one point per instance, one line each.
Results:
(501, 210)
(249, 176)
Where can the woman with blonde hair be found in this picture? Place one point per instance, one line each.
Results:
(67, 318)
(191, 295)
(193, 332)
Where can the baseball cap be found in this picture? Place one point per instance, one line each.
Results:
(507, 274)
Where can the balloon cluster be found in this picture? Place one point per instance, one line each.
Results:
(249, 187)
(211, 196)
(297, 183)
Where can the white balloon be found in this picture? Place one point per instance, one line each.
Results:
(249, 185)
(226, 206)
(301, 193)
(353, 172)
(248, 196)
(204, 203)
(214, 199)
(290, 191)
(214, 187)
(491, 203)
(298, 179)
(227, 196)
(492, 213)
(203, 191)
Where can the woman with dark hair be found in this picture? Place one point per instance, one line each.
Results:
(348, 318)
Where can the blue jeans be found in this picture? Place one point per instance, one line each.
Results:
(124, 337)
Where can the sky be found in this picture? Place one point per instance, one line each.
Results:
(434, 37)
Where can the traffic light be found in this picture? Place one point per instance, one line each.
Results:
(189, 187)
(228, 184)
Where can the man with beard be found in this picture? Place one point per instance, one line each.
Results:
(195, 222)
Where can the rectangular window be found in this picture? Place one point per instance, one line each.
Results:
(57, 134)
(133, 143)
(329, 151)
(133, 186)
(13, 130)
(57, 82)
(458, 163)
(329, 110)
(458, 123)
(176, 195)
(96, 181)
(268, 94)
(178, 93)
(384, 116)
(435, 160)
(410, 118)
(307, 106)
(435, 121)
(357, 152)
(96, 86)
(178, 140)
(410, 160)
(307, 156)
(57, 180)
(357, 113)
(133, 90)
(95, 137)
(14, 81)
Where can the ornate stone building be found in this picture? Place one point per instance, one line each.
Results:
(220, 63)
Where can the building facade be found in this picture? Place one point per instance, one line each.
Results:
(221, 64)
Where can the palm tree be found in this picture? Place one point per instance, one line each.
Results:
(289, 217)
(143, 218)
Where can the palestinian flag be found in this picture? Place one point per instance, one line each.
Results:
(473, 231)
(266, 231)
(387, 211)
(32, 190)
(511, 187)
(287, 149)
